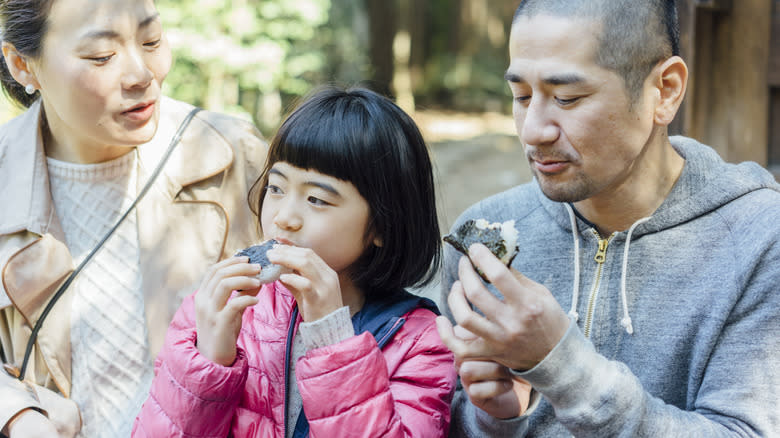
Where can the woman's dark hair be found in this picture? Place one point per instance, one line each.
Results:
(358, 136)
(23, 24)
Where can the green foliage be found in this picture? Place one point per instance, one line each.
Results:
(244, 56)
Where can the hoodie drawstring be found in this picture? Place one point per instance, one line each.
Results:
(575, 293)
(626, 321)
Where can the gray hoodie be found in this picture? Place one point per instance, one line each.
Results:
(676, 333)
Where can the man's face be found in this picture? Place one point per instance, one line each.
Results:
(574, 118)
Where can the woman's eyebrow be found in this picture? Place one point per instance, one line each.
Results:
(112, 34)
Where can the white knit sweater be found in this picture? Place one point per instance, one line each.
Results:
(112, 370)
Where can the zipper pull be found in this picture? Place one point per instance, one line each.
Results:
(601, 254)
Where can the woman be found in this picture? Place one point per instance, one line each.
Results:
(90, 73)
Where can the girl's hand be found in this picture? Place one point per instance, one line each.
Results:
(217, 317)
(313, 283)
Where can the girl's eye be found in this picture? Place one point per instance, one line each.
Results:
(153, 44)
(565, 102)
(273, 190)
(522, 99)
(317, 201)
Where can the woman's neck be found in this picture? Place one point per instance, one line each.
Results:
(59, 145)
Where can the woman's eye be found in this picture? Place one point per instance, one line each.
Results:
(101, 59)
(152, 44)
(522, 99)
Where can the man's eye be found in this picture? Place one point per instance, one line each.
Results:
(564, 102)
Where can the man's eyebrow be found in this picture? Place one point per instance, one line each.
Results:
(561, 79)
(111, 34)
(564, 79)
(513, 77)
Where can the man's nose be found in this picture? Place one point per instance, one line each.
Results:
(537, 125)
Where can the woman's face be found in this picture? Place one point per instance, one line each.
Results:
(100, 74)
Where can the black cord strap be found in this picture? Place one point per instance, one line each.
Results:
(39, 323)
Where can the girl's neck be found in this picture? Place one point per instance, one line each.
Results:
(351, 295)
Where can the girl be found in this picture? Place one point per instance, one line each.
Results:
(90, 73)
(337, 347)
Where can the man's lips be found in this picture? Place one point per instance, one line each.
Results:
(550, 166)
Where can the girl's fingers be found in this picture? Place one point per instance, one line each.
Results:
(227, 285)
(207, 281)
(238, 304)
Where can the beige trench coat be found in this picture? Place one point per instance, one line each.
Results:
(195, 215)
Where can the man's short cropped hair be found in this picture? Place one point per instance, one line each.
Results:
(635, 34)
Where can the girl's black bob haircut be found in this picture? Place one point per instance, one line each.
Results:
(359, 136)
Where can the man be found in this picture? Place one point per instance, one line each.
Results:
(667, 257)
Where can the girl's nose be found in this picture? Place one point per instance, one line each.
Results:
(287, 217)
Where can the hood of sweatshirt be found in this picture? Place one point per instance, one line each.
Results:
(705, 184)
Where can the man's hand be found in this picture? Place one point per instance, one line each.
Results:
(518, 331)
(492, 388)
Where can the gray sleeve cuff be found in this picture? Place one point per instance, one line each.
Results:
(328, 330)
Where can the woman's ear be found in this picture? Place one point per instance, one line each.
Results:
(670, 78)
(377, 241)
(19, 66)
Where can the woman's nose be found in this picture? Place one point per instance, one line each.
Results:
(136, 73)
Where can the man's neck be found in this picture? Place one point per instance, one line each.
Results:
(639, 194)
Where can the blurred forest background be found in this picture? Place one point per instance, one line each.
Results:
(256, 57)
(441, 60)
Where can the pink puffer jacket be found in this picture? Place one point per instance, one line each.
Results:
(348, 389)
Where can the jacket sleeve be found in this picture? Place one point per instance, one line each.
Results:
(347, 386)
(15, 396)
(190, 394)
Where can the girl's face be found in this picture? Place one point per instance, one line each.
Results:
(309, 209)
(100, 74)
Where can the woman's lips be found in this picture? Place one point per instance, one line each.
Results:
(140, 113)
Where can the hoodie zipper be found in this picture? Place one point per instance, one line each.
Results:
(600, 257)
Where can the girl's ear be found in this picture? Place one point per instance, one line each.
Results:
(377, 241)
(19, 67)
(670, 80)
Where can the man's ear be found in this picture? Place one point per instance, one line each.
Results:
(19, 66)
(670, 78)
